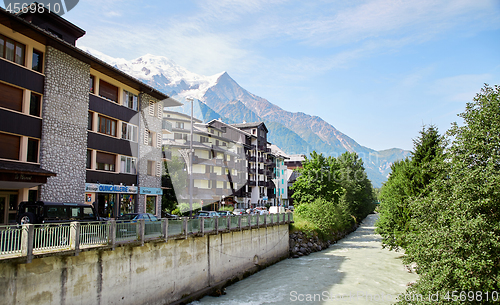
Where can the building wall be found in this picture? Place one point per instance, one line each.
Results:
(64, 127)
(156, 273)
(151, 119)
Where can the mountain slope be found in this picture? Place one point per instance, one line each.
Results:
(220, 97)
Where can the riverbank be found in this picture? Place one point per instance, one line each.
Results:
(303, 244)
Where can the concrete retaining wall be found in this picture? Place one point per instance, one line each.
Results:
(156, 273)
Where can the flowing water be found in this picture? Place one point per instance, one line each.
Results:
(356, 270)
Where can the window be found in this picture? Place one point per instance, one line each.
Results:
(89, 159)
(105, 161)
(150, 138)
(151, 204)
(11, 97)
(35, 104)
(91, 84)
(12, 50)
(108, 91)
(128, 165)
(37, 61)
(151, 168)
(107, 126)
(10, 146)
(32, 154)
(179, 125)
(32, 195)
(90, 120)
(180, 136)
(129, 100)
(129, 132)
(203, 139)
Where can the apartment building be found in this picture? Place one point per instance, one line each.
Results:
(281, 179)
(219, 161)
(261, 165)
(73, 128)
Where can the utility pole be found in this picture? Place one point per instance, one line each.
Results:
(257, 164)
(191, 162)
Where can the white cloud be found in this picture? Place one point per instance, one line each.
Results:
(460, 88)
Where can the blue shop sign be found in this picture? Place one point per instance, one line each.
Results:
(110, 188)
(151, 191)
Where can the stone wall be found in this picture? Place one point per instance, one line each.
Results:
(64, 127)
(147, 153)
(159, 272)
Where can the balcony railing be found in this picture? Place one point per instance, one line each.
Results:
(30, 240)
(166, 126)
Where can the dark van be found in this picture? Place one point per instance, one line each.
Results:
(36, 212)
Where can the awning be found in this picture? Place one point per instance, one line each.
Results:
(18, 175)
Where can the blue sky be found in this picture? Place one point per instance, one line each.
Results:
(377, 70)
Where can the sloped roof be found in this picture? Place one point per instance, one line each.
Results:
(250, 125)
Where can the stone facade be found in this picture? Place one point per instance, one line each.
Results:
(150, 120)
(64, 128)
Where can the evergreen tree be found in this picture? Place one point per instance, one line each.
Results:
(409, 180)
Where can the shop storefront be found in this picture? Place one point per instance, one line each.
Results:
(110, 200)
(19, 182)
(153, 199)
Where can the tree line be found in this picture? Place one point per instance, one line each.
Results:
(441, 206)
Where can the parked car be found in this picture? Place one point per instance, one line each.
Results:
(169, 216)
(239, 212)
(133, 217)
(126, 224)
(225, 213)
(261, 211)
(207, 214)
(37, 212)
(276, 209)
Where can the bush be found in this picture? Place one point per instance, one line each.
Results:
(327, 217)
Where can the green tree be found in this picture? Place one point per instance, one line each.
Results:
(456, 236)
(358, 197)
(409, 180)
(333, 193)
(317, 179)
(174, 178)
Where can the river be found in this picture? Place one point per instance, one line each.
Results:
(356, 270)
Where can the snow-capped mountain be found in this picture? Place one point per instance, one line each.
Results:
(220, 96)
(161, 73)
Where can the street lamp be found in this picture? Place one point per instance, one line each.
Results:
(191, 162)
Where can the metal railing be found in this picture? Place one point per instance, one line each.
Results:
(29, 240)
(10, 240)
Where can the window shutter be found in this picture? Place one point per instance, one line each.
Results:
(108, 91)
(160, 110)
(151, 108)
(146, 137)
(158, 140)
(158, 169)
